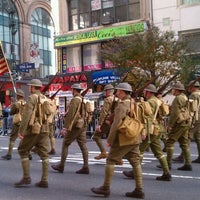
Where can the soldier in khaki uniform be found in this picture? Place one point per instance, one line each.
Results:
(29, 139)
(51, 120)
(195, 130)
(103, 123)
(153, 139)
(16, 110)
(130, 151)
(178, 127)
(73, 132)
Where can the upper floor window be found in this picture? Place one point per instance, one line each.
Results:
(190, 1)
(91, 13)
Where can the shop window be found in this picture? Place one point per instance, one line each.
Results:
(74, 59)
(91, 57)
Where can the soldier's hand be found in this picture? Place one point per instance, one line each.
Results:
(108, 144)
(169, 129)
(143, 136)
(20, 136)
(98, 129)
(63, 132)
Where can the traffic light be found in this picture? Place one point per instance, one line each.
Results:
(15, 75)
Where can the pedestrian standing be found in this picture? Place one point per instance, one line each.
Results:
(130, 150)
(75, 129)
(32, 134)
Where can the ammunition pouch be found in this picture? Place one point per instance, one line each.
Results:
(45, 127)
(80, 123)
(36, 128)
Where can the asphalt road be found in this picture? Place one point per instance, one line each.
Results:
(72, 186)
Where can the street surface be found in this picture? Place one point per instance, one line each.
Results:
(71, 186)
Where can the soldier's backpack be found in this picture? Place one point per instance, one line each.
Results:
(48, 107)
(18, 115)
(87, 109)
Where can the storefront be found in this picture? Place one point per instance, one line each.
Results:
(79, 52)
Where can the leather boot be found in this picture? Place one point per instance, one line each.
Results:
(42, 184)
(128, 174)
(196, 160)
(164, 177)
(23, 182)
(52, 152)
(83, 170)
(7, 157)
(58, 168)
(136, 194)
(179, 159)
(101, 190)
(185, 168)
(101, 156)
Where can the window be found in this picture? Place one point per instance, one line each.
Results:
(41, 39)
(91, 13)
(74, 59)
(190, 1)
(91, 57)
(9, 31)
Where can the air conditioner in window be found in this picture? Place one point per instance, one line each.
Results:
(106, 19)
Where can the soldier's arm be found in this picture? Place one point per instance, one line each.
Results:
(104, 111)
(26, 115)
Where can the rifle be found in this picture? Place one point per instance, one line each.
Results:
(163, 87)
(139, 91)
(61, 88)
(50, 82)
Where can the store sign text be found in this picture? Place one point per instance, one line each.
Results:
(70, 79)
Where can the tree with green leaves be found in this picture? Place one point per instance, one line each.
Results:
(149, 54)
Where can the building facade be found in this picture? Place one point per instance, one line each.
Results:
(86, 26)
(182, 17)
(28, 28)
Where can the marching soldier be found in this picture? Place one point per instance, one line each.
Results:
(153, 134)
(130, 151)
(16, 110)
(103, 123)
(32, 135)
(74, 131)
(51, 120)
(178, 127)
(195, 127)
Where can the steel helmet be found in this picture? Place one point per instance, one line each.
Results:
(108, 87)
(19, 92)
(35, 82)
(151, 88)
(178, 86)
(124, 86)
(76, 86)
